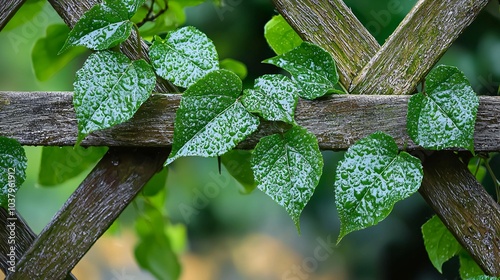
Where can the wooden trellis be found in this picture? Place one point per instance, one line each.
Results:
(381, 75)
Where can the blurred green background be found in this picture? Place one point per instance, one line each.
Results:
(236, 236)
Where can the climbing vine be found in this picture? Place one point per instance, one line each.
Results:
(216, 113)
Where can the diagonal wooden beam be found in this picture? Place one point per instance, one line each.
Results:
(323, 23)
(90, 210)
(8, 9)
(476, 228)
(415, 46)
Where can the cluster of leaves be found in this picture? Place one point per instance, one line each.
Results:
(216, 114)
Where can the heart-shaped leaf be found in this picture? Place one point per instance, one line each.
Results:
(440, 244)
(280, 35)
(288, 168)
(445, 115)
(211, 120)
(185, 56)
(311, 67)
(13, 163)
(371, 179)
(274, 97)
(104, 26)
(109, 89)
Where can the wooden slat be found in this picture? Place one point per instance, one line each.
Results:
(324, 23)
(90, 210)
(23, 236)
(464, 207)
(48, 118)
(417, 44)
(7, 10)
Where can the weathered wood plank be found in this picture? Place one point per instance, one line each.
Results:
(23, 236)
(332, 25)
(90, 210)
(417, 44)
(464, 207)
(8, 9)
(48, 118)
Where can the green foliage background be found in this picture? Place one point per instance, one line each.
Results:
(391, 250)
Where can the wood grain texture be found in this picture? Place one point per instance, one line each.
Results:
(464, 207)
(417, 44)
(333, 26)
(48, 119)
(8, 9)
(24, 237)
(90, 210)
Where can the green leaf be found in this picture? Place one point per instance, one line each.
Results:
(185, 56)
(311, 67)
(45, 60)
(109, 89)
(371, 179)
(288, 168)
(469, 269)
(156, 183)
(60, 164)
(237, 163)
(104, 26)
(440, 244)
(235, 66)
(445, 116)
(154, 251)
(211, 120)
(13, 163)
(274, 97)
(280, 35)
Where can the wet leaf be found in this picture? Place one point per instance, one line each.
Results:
(211, 120)
(311, 67)
(439, 243)
(104, 26)
(109, 89)
(445, 115)
(185, 56)
(288, 168)
(274, 97)
(13, 163)
(280, 35)
(371, 179)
